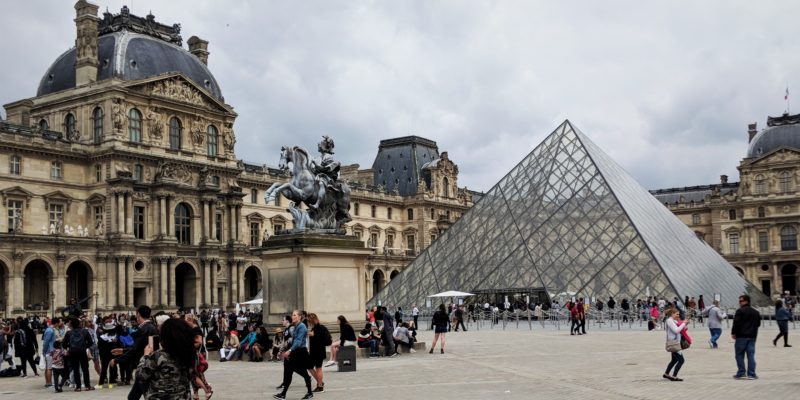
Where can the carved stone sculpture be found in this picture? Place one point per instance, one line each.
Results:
(118, 117)
(316, 184)
(229, 140)
(155, 125)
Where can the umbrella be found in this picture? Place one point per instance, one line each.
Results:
(452, 293)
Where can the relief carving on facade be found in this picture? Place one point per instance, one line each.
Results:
(178, 90)
(197, 132)
(86, 42)
(155, 125)
(228, 139)
(118, 116)
(170, 172)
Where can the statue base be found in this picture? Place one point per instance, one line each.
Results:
(319, 273)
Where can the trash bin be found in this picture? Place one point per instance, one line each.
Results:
(347, 358)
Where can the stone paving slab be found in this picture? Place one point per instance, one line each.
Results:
(514, 364)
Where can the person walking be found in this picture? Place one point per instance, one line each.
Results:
(745, 331)
(77, 342)
(25, 346)
(440, 327)
(673, 345)
(165, 373)
(318, 338)
(297, 358)
(715, 318)
(782, 316)
(581, 317)
(131, 355)
(701, 307)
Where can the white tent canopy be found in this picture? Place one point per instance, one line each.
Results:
(258, 301)
(452, 293)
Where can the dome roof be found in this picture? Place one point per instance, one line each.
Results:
(130, 56)
(781, 132)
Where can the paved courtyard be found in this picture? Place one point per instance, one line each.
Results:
(515, 364)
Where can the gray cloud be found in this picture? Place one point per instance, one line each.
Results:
(665, 89)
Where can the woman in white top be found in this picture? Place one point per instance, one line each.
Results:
(674, 334)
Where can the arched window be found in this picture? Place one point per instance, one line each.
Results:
(788, 238)
(97, 124)
(14, 165)
(183, 224)
(69, 124)
(212, 140)
(135, 125)
(175, 133)
(761, 185)
(43, 125)
(785, 182)
(446, 187)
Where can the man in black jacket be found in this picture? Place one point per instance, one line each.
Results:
(744, 331)
(140, 340)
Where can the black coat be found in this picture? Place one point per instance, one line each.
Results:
(135, 353)
(746, 322)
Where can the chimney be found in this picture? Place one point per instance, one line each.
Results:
(723, 179)
(86, 43)
(751, 131)
(199, 48)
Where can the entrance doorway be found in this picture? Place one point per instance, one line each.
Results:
(185, 286)
(252, 282)
(765, 286)
(139, 297)
(789, 277)
(36, 293)
(78, 283)
(377, 282)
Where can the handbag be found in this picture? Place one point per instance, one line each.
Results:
(673, 346)
(685, 344)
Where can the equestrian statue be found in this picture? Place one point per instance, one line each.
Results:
(315, 183)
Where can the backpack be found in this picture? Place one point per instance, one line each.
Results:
(77, 342)
(126, 340)
(326, 338)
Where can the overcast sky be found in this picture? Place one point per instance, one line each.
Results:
(667, 90)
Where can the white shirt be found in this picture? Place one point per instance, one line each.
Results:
(241, 322)
(414, 311)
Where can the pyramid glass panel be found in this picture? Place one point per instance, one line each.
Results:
(567, 219)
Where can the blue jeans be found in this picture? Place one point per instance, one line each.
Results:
(742, 346)
(715, 334)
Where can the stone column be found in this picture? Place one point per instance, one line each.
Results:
(111, 282)
(205, 225)
(171, 280)
(129, 214)
(61, 280)
(121, 284)
(162, 276)
(238, 216)
(120, 213)
(112, 222)
(233, 282)
(777, 286)
(240, 274)
(170, 225)
(162, 222)
(206, 281)
(231, 224)
(129, 269)
(214, 299)
(213, 220)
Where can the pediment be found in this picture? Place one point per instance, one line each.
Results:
(96, 198)
(254, 217)
(178, 87)
(17, 192)
(778, 156)
(278, 219)
(57, 197)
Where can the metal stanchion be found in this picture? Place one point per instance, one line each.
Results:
(530, 323)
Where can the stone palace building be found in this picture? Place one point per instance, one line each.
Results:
(120, 182)
(753, 223)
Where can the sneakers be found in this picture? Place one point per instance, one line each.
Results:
(330, 364)
(710, 344)
(308, 395)
(319, 389)
(752, 377)
(394, 355)
(411, 350)
(739, 377)
(278, 396)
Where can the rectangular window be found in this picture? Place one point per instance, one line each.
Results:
(373, 240)
(390, 241)
(358, 234)
(447, 214)
(56, 170)
(254, 196)
(389, 213)
(763, 241)
(732, 214)
(433, 238)
(410, 214)
(138, 172)
(355, 208)
(410, 242)
(277, 228)
(98, 219)
(433, 213)
(14, 215)
(138, 222)
(254, 230)
(98, 173)
(218, 227)
(696, 219)
(734, 242)
(374, 211)
(14, 165)
(56, 214)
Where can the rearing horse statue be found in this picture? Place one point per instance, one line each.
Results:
(327, 213)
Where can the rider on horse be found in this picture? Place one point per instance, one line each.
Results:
(326, 171)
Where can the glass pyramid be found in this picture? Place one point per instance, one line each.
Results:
(568, 219)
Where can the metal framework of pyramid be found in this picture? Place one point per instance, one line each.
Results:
(569, 219)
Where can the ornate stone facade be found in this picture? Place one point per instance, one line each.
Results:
(753, 223)
(138, 197)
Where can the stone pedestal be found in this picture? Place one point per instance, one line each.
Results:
(318, 273)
